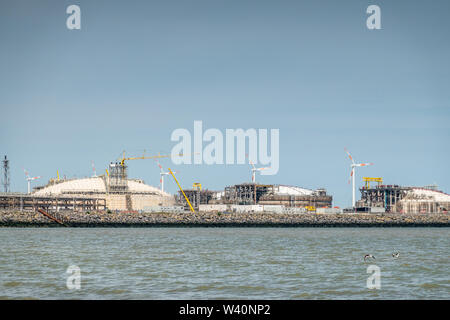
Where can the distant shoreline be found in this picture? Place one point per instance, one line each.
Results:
(251, 220)
(243, 225)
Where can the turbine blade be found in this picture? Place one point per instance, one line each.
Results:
(250, 161)
(349, 155)
(364, 164)
(159, 165)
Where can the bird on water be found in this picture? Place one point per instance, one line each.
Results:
(396, 254)
(368, 256)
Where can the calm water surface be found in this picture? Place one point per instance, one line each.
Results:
(224, 263)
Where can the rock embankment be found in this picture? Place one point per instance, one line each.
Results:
(104, 219)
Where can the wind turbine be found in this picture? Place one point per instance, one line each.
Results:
(352, 175)
(93, 169)
(254, 170)
(162, 173)
(29, 179)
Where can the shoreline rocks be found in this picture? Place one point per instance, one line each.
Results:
(203, 219)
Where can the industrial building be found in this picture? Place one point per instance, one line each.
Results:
(197, 197)
(118, 191)
(258, 194)
(115, 191)
(400, 199)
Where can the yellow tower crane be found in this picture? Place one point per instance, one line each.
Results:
(123, 159)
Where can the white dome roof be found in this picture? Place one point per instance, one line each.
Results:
(94, 184)
(135, 186)
(82, 185)
(294, 191)
(427, 194)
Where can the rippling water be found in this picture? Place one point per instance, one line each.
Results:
(224, 263)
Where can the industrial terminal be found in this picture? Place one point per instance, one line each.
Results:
(114, 191)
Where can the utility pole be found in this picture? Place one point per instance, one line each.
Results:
(5, 175)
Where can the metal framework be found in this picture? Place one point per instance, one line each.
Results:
(367, 181)
(247, 193)
(298, 201)
(385, 196)
(117, 180)
(22, 202)
(5, 178)
(253, 193)
(182, 192)
(195, 197)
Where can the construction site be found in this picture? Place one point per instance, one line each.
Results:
(115, 191)
(110, 191)
(401, 199)
(255, 197)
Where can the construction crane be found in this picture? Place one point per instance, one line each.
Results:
(121, 164)
(367, 181)
(197, 186)
(123, 159)
(187, 200)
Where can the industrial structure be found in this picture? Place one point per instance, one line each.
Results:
(400, 199)
(196, 197)
(118, 191)
(5, 175)
(115, 191)
(258, 194)
(25, 202)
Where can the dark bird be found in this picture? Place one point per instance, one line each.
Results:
(396, 254)
(368, 256)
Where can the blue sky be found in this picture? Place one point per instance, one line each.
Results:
(137, 70)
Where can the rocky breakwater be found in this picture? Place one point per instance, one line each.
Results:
(123, 219)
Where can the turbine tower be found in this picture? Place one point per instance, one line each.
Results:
(162, 173)
(29, 179)
(353, 165)
(254, 170)
(93, 169)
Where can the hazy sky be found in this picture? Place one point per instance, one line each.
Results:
(137, 70)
